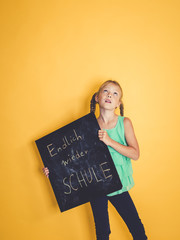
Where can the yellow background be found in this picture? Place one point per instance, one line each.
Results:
(54, 56)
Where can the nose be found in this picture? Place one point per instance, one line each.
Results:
(109, 94)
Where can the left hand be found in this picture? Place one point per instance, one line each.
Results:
(103, 136)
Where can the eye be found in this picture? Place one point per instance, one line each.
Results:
(116, 93)
(104, 90)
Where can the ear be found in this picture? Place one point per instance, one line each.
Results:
(96, 98)
(119, 104)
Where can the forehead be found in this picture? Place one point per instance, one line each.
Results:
(112, 86)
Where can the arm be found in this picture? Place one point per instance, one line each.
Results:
(132, 150)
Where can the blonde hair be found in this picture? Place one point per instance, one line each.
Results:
(93, 101)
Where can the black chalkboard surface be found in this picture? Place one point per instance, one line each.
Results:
(80, 165)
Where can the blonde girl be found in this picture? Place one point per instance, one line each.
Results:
(117, 133)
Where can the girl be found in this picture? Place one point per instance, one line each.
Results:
(118, 134)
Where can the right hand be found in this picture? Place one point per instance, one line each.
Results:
(45, 171)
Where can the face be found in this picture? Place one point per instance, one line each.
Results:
(109, 96)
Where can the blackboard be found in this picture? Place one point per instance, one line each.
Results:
(80, 165)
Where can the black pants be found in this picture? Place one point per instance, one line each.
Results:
(127, 210)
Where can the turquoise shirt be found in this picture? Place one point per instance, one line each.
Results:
(122, 163)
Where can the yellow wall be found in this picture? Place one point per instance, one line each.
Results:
(54, 55)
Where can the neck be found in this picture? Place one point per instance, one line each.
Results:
(106, 116)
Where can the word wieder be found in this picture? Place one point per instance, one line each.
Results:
(74, 157)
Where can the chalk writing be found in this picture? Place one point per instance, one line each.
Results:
(67, 142)
(74, 157)
(81, 179)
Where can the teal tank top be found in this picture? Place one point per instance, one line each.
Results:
(122, 163)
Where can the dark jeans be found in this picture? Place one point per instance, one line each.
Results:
(127, 210)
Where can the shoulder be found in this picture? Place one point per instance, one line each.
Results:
(127, 120)
(127, 123)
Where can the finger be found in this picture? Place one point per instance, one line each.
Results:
(45, 169)
(100, 131)
(47, 174)
(100, 135)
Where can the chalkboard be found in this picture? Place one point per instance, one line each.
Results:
(80, 165)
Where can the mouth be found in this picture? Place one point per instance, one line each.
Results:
(108, 101)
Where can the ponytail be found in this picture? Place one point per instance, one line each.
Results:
(93, 103)
(121, 109)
